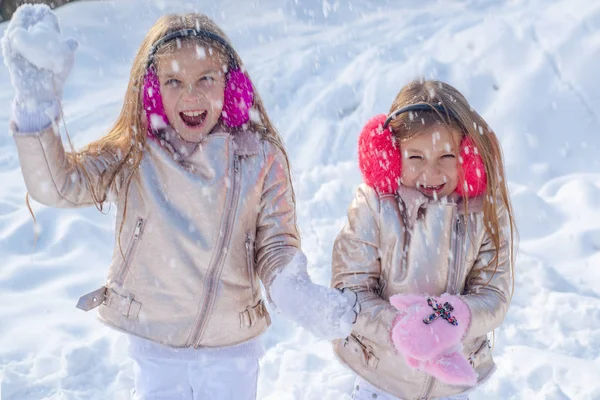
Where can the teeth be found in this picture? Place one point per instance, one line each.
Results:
(192, 113)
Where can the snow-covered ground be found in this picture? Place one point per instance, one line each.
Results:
(323, 67)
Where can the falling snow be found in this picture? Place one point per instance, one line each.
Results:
(323, 68)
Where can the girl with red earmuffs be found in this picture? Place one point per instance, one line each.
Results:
(205, 205)
(428, 248)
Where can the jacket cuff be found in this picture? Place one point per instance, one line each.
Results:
(33, 120)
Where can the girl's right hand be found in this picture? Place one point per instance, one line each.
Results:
(39, 61)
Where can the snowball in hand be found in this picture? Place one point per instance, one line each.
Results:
(34, 33)
(39, 61)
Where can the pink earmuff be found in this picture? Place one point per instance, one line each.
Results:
(153, 106)
(237, 100)
(380, 161)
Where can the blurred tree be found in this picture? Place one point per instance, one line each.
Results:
(8, 7)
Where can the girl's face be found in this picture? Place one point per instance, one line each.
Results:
(192, 83)
(430, 161)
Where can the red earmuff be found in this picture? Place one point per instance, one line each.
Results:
(473, 180)
(380, 160)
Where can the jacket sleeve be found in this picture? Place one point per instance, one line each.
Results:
(54, 178)
(277, 238)
(487, 294)
(356, 265)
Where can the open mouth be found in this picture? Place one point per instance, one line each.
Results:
(431, 189)
(193, 119)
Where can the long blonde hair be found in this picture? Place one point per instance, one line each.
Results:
(127, 136)
(466, 120)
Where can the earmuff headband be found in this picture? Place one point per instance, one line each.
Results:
(419, 107)
(185, 33)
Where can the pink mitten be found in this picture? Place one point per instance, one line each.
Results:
(428, 332)
(451, 368)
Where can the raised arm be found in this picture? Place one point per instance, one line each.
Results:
(39, 61)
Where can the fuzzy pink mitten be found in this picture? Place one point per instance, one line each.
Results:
(433, 347)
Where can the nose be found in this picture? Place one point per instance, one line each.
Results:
(191, 94)
(431, 174)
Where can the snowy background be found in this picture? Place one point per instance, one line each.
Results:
(323, 67)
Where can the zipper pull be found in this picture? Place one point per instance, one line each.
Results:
(459, 224)
(248, 241)
(138, 229)
(236, 163)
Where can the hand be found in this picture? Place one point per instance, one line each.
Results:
(38, 58)
(433, 346)
(326, 312)
(451, 368)
(417, 339)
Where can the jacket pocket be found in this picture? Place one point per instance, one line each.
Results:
(133, 242)
(354, 345)
(477, 355)
(249, 243)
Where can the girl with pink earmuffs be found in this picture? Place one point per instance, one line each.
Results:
(427, 248)
(205, 205)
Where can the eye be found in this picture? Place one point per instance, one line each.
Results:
(172, 82)
(448, 156)
(415, 157)
(206, 80)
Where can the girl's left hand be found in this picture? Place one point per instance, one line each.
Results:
(428, 332)
(326, 312)
(417, 339)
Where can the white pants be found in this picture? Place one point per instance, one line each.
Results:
(363, 390)
(208, 378)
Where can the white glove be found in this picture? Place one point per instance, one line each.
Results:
(326, 312)
(39, 60)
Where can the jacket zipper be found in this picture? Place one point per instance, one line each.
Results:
(250, 261)
(137, 232)
(458, 247)
(407, 236)
(452, 275)
(213, 272)
(452, 286)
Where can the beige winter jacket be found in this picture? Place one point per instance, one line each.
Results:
(198, 233)
(447, 251)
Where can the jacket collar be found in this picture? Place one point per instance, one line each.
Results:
(246, 143)
(414, 200)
